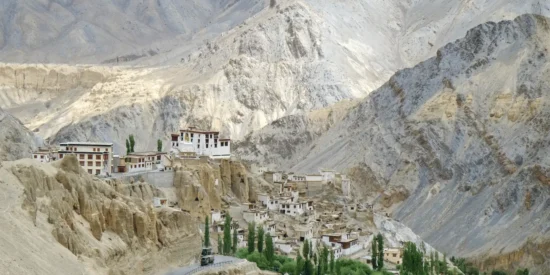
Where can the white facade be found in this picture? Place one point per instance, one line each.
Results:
(291, 208)
(44, 156)
(294, 177)
(144, 161)
(328, 175)
(158, 202)
(311, 178)
(269, 228)
(254, 216)
(95, 158)
(344, 242)
(346, 186)
(202, 143)
(283, 246)
(277, 177)
(216, 216)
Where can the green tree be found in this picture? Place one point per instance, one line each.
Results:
(206, 232)
(260, 242)
(251, 237)
(127, 147)
(288, 267)
(159, 145)
(220, 244)
(444, 265)
(374, 255)
(412, 260)
(227, 235)
(308, 268)
(498, 272)
(380, 242)
(132, 143)
(305, 249)
(235, 242)
(332, 262)
(522, 272)
(269, 250)
(299, 265)
(324, 260)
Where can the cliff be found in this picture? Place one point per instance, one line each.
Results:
(108, 226)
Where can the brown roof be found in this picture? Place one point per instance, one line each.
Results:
(225, 139)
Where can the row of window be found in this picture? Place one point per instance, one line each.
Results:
(83, 156)
(91, 163)
(97, 172)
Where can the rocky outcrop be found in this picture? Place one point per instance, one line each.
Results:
(16, 141)
(200, 188)
(103, 220)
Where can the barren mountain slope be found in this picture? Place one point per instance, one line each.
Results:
(464, 136)
(260, 66)
(16, 141)
(80, 31)
(57, 219)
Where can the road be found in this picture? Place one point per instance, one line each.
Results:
(219, 260)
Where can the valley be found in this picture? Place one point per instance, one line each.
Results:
(435, 111)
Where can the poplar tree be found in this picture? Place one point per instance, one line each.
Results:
(227, 235)
(220, 244)
(374, 255)
(299, 265)
(251, 237)
(269, 250)
(332, 261)
(305, 249)
(235, 241)
(260, 239)
(380, 242)
(159, 145)
(132, 143)
(127, 147)
(206, 232)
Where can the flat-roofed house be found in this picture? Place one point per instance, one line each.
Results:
(94, 157)
(201, 143)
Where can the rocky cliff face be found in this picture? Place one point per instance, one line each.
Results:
(458, 138)
(16, 141)
(109, 224)
(202, 187)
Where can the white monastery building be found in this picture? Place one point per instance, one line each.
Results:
(93, 157)
(201, 143)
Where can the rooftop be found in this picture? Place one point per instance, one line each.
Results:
(146, 153)
(77, 143)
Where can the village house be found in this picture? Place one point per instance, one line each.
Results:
(45, 155)
(304, 233)
(257, 169)
(348, 244)
(94, 157)
(158, 202)
(328, 175)
(218, 227)
(217, 216)
(291, 208)
(191, 142)
(141, 161)
(393, 255)
(269, 227)
(314, 178)
(346, 186)
(284, 246)
(255, 216)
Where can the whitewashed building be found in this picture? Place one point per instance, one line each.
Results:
(217, 216)
(94, 157)
(348, 245)
(45, 155)
(255, 216)
(201, 143)
(328, 175)
(346, 186)
(314, 178)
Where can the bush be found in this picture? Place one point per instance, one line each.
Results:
(259, 259)
(352, 267)
(288, 267)
(242, 253)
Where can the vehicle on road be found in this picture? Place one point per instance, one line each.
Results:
(207, 258)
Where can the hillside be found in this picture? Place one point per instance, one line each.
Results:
(16, 141)
(463, 135)
(250, 64)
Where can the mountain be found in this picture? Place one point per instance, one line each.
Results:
(16, 141)
(456, 145)
(234, 66)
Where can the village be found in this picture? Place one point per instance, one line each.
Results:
(293, 208)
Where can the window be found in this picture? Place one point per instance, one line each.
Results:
(158, 157)
(90, 156)
(93, 149)
(60, 156)
(207, 145)
(198, 146)
(90, 163)
(215, 145)
(98, 157)
(90, 171)
(106, 149)
(35, 156)
(97, 172)
(81, 163)
(98, 163)
(81, 156)
(394, 254)
(42, 156)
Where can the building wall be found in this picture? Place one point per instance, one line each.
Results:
(204, 144)
(318, 178)
(95, 159)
